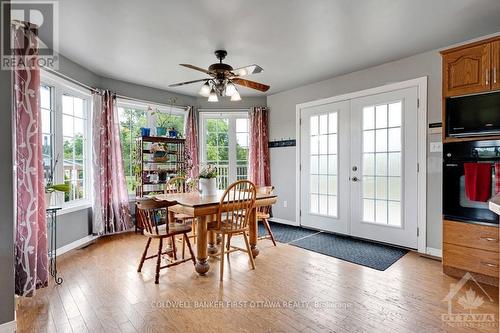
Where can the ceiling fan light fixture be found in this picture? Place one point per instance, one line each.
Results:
(212, 97)
(230, 89)
(236, 96)
(205, 90)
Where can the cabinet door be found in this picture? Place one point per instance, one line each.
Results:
(467, 71)
(495, 58)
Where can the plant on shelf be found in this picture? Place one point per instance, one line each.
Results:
(50, 187)
(159, 152)
(208, 180)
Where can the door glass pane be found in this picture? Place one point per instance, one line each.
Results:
(323, 162)
(368, 118)
(395, 114)
(242, 148)
(382, 164)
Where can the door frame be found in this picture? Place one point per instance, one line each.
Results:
(421, 84)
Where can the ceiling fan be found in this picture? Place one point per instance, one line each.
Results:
(223, 78)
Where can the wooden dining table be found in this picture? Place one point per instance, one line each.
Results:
(204, 209)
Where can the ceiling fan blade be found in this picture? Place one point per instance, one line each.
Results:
(247, 70)
(187, 82)
(251, 84)
(196, 68)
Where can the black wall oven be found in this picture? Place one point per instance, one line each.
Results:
(456, 205)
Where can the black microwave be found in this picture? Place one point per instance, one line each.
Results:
(474, 115)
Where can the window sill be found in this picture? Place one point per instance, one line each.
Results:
(74, 208)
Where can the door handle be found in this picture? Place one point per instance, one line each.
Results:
(354, 179)
(489, 239)
(488, 264)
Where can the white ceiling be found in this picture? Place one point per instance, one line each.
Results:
(295, 41)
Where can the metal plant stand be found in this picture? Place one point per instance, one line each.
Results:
(52, 228)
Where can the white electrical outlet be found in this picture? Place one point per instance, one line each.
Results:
(285, 204)
(436, 147)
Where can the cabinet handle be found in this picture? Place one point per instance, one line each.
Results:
(488, 264)
(488, 77)
(494, 75)
(489, 239)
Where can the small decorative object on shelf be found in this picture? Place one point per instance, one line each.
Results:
(208, 180)
(52, 228)
(145, 131)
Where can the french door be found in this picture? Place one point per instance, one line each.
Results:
(359, 167)
(224, 143)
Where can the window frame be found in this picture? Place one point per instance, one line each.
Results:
(151, 119)
(231, 115)
(62, 87)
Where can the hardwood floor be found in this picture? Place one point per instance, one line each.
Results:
(102, 292)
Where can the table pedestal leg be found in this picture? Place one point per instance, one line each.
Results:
(202, 265)
(212, 248)
(253, 232)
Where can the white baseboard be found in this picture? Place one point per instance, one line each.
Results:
(434, 252)
(76, 244)
(283, 221)
(9, 327)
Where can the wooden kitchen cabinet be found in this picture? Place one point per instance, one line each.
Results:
(466, 70)
(471, 248)
(495, 66)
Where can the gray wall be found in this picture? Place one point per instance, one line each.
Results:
(73, 226)
(282, 125)
(6, 202)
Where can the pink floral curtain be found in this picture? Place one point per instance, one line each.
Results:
(191, 130)
(258, 156)
(31, 226)
(111, 212)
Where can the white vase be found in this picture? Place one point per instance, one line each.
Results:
(208, 186)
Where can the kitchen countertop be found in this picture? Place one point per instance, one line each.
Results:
(494, 204)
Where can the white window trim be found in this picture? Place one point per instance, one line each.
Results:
(61, 87)
(231, 115)
(151, 118)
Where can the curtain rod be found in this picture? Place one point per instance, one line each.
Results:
(61, 75)
(83, 85)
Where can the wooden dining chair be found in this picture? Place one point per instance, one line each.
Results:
(233, 216)
(178, 185)
(149, 211)
(264, 213)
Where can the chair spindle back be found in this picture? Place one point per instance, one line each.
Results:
(176, 185)
(236, 205)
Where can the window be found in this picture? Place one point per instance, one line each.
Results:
(134, 115)
(224, 143)
(65, 113)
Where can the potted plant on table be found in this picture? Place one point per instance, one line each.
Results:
(208, 182)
